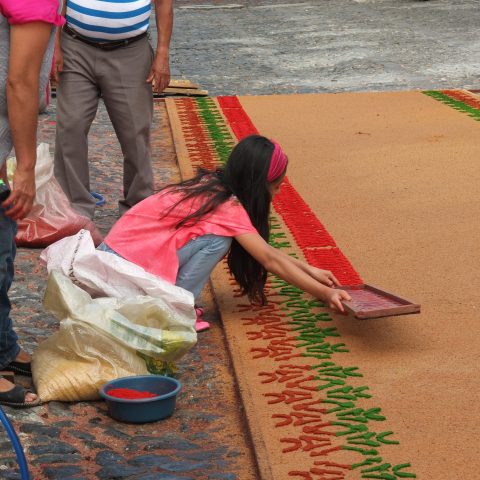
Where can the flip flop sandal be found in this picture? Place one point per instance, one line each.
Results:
(21, 368)
(16, 398)
(201, 326)
(10, 376)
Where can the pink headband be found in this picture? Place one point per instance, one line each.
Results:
(278, 163)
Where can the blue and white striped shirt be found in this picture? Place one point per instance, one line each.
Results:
(104, 20)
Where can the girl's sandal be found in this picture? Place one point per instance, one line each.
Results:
(201, 326)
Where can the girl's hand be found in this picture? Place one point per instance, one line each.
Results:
(334, 299)
(325, 277)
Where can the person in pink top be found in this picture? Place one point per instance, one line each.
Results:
(26, 28)
(183, 231)
(20, 12)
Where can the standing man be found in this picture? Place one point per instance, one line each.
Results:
(25, 29)
(103, 50)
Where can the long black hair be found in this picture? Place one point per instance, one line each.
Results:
(245, 176)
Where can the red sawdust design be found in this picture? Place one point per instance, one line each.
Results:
(464, 97)
(199, 146)
(307, 230)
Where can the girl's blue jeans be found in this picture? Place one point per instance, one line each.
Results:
(9, 347)
(196, 260)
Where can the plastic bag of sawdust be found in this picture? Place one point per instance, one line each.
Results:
(52, 217)
(103, 274)
(103, 339)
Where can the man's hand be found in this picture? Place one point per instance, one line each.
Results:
(58, 63)
(20, 201)
(159, 75)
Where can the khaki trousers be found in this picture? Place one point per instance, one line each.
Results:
(119, 76)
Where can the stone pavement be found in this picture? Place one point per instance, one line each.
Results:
(255, 47)
(204, 439)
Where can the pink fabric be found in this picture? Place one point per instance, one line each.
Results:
(25, 11)
(144, 238)
(278, 163)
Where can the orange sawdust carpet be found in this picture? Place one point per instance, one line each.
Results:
(382, 188)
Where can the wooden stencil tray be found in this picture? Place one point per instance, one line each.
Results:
(371, 302)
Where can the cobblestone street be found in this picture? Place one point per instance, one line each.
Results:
(265, 47)
(205, 439)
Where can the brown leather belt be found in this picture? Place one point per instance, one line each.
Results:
(102, 45)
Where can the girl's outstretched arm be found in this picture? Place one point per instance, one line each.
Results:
(323, 276)
(294, 272)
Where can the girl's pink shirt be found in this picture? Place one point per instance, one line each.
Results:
(147, 238)
(26, 11)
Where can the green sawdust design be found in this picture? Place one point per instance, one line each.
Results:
(456, 104)
(217, 130)
(353, 423)
(342, 399)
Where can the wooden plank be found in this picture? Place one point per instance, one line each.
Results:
(182, 92)
(186, 169)
(182, 83)
(474, 93)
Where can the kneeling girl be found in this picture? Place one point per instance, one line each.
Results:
(184, 230)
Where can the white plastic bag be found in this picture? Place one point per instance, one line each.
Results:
(103, 274)
(144, 325)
